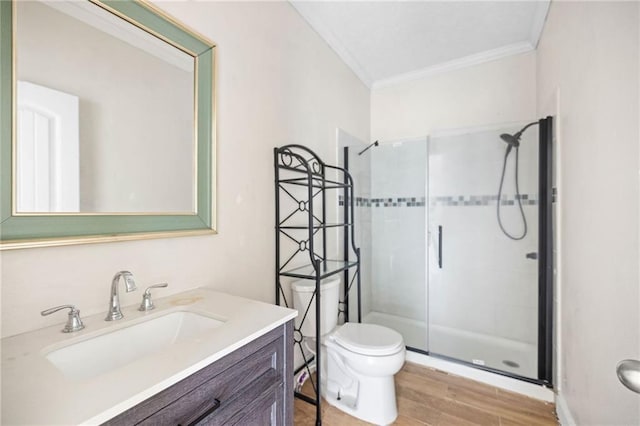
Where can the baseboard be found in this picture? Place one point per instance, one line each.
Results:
(564, 414)
(507, 383)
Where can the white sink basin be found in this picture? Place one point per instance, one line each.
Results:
(100, 354)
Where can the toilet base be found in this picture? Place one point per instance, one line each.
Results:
(374, 402)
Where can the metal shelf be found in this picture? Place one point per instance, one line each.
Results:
(327, 269)
(316, 182)
(317, 226)
(298, 166)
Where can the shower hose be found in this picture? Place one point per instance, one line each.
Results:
(499, 201)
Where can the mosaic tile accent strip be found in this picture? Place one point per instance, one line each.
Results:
(387, 202)
(483, 200)
(445, 200)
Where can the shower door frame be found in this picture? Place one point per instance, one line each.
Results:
(545, 251)
(545, 263)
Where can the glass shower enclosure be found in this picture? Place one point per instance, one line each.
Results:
(460, 246)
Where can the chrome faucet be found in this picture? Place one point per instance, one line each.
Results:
(114, 303)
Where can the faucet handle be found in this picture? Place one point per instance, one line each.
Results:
(147, 303)
(74, 322)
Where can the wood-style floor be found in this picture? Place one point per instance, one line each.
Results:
(432, 397)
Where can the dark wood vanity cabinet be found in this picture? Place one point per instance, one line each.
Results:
(251, 386)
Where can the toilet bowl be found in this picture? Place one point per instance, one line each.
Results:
(358, 360)
(361, 361)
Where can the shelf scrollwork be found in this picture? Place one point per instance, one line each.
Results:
(298, 157)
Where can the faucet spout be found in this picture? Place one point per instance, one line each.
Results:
(114, 302)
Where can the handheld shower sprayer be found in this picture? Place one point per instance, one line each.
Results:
(512, 141)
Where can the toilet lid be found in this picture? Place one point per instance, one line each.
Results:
(368, 339)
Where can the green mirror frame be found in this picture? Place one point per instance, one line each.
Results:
(34, 230)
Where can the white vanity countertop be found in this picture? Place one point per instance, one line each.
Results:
(35, 392)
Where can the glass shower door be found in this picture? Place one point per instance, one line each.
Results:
(483, 284)
(397, 295)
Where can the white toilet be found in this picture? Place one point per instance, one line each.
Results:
(358, 360)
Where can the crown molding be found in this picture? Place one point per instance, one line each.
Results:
(464, 62)
(539, 19)
(334, 44)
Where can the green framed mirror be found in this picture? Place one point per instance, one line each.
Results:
(107, 134)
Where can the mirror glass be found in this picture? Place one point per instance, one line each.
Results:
(105, 114)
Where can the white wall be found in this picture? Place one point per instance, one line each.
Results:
(588, 58)
(499, 91)
(277, 83)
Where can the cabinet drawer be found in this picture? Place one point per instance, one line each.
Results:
(256, 373)
(262, 411)
(252, 406)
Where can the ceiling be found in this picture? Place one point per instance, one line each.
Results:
(385, 42)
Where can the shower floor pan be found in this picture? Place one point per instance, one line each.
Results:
(495, 352)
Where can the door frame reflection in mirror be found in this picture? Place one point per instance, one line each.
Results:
(52, 229)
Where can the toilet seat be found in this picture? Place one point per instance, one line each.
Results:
(368, 339)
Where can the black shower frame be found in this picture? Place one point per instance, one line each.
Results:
(309, 219)
(545, 265)
(545, 252)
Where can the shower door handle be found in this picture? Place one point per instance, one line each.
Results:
(440, 246)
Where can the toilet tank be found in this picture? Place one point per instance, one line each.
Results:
(302, 294)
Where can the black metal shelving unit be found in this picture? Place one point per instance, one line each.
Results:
(304, 185)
